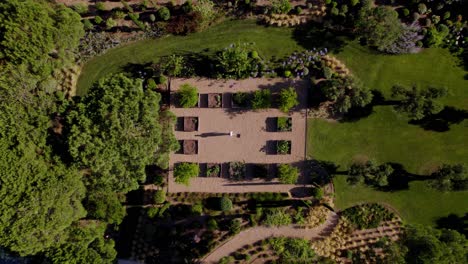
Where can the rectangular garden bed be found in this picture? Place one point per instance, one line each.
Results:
(236, 170)
(190, 123)
(283, 147)
(215, 100)
(284, 124)
(240, 100)
(188, 147)
(213, 170)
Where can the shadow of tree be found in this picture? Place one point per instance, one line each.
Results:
(455, 222)
(441, 122)
(314, 35)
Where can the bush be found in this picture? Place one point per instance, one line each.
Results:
(197, 209)
(406, 12)
(235, 226)
(110, 23)
(152, 17)
(212, 225)
(87, 24)
(241, 99)
(225, 204)
(118, 14)
(98, 20)
(298, 10)
(280, 6)
(161, 79)
(317, 193)
(287, 174)
(277, 217)
(236, 61)
(236, 170)
(422, 9)
(164, 13)
(187, 96)
(283, 147)
(151, 84)
(184, 24)
(152, 212)
(184, 171)
(159, 197)
(288, 99)
(367, 215)
(80, 8)
(261, 99)
(100, 6)
(287, 73)
(284, 123)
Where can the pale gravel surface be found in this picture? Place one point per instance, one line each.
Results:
(252, 143)
(254, 234)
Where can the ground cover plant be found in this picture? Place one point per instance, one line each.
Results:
(367, 215)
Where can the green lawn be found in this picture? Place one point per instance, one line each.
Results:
(436, 67)
(418, 205)
(385, 136)
(269, 41)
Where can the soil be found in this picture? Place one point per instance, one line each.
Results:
(190, 147)
(215, 100)
(190, 123)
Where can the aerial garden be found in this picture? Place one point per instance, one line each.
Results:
(346, 123)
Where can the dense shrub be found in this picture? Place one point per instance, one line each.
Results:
(293, 250)
(417, 103)
(450, 178)
(287, 99)
(80, 8)
(98, 20)
(261, 99)
(184, 24)
(406, 42)
(151, 84)
(277, 217)
(288, 174)
(235, 226)
(284, 124)
(164, 13)
(212, 225)
(367, 215)
(159, 197)
(187, 96)
(237, 61)
(237, 170)
(241, 99)
(280, 6)
(100, 6)
(225, 204)
(369, 173)
(283, 147)
(317, 193)
(184, 171)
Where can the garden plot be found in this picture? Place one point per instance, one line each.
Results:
(249, 142)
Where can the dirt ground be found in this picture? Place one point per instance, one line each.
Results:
(253, 139)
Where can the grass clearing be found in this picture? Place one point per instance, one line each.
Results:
(269, 41)
(385, 136)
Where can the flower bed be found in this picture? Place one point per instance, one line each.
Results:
(284, 124)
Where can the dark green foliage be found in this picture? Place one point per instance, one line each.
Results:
(284, 123)
(261, 99)
(115, 133)
(450, 178)
(369, 173)
(436, 36)
(380, 26)
(288, 174)
(280, 6)
(417, 103)
(87, 24)
(80, 8)
(241, 99)
(225, 204)
(187, 96)
(212, 225)
(104, 205)
(237, 170)
(151, 84)
(236, 61)
(235, 226)
(164, 13)
(283, 147)
(367, 215)
(184, 171)
(287, 99)
(159, 197)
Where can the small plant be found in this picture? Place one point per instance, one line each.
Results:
(214, 170)
(80, 8)
(98, 20)
(184, 171)
(317, 193)
(284, 123)
(225, 204)
(212, 225)
(241, 99)
(283, 147)
(287, 99)
(164, 13)
(235, 226)
(151, 84)
(237, 170)
(277, 217)
(261, 99)
(188, 96)
(288, 174)
(100, 6)
(159, 197)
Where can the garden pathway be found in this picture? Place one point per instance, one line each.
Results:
(256, 129)
(252, 235)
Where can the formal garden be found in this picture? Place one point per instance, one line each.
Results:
(247, 131)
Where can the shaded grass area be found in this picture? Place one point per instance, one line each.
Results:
(418, 205)
(431, 67)
(270, 42)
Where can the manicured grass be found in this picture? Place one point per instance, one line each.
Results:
(385, 136)
(269, 41)
(418, 205)
(431, 67)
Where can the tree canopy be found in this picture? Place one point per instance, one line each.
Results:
(417, 103)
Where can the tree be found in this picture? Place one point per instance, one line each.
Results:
(380, 26)
(184, 171)
(261, 99)
(164, 13)
(287, 99)
(369, 173)
(236, 61)
(450, 178)
(287, 174)
(435, 36)
(225, 204)
(187, 95)
(173, 65)
(104, 205)
(417, 103)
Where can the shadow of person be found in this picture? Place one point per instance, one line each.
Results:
(212, 134)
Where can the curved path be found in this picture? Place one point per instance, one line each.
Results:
(252, 235)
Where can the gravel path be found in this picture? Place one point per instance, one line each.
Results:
(252, 235)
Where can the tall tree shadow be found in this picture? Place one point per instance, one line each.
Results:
(455, 222)
(400, 178)
(314, 35)
(358, 113)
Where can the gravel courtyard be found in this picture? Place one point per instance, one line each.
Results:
(252, 140)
